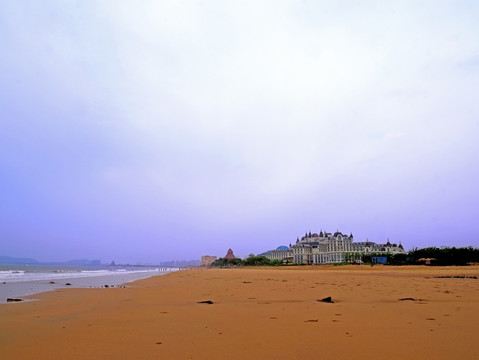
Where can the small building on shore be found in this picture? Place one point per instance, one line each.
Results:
(426, 261)
(379, 259)
(207, 260)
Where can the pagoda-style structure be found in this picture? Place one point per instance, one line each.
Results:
(230, 255)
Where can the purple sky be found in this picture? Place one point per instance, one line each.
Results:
(153, 130)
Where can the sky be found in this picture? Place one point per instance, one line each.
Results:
(148, 131)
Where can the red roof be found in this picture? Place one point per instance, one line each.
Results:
(230, 255)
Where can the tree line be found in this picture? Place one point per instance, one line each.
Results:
(435, 256)
(249, 261)
(438, 256)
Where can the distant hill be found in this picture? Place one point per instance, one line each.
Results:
(7, 260)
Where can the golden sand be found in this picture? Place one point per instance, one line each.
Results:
(268, 313)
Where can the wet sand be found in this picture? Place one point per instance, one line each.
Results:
(20, 289)
(256, 313)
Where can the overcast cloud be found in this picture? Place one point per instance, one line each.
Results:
(153, 130)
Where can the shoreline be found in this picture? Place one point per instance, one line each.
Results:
(29, 288)
(396, 312)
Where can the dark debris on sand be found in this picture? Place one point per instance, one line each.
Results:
(326, 300)
(206, 302)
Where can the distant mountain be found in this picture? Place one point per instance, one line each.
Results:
(7, 260)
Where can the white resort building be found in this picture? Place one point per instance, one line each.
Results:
(327, 248)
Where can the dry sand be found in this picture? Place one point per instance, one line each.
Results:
(256, 314)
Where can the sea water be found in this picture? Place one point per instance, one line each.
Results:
(23, 280)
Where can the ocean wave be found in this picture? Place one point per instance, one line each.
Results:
(58, 274)
(95, 271)
(12, 272)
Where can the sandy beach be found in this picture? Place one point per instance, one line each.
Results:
(380, 311)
